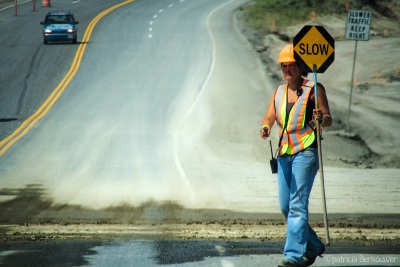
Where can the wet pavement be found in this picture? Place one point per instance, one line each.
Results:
(184, 253)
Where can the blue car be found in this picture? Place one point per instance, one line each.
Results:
(59, 26)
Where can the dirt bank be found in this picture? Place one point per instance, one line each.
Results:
(365, 138)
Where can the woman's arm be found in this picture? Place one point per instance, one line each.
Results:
(269, 119)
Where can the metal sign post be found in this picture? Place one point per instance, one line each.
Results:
(321, 165)
(358, 26)
(314, 50)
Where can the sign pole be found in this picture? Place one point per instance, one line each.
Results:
(314, 51)
(358, 26)
(321, 166)
(351, 86)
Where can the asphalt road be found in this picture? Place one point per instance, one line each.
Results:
(32, 70)
(112, 124)
(183, 253)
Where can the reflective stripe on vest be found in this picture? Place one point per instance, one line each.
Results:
(298, 134)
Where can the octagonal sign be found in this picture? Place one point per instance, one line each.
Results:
(314, 45)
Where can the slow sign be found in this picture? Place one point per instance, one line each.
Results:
(313, 45)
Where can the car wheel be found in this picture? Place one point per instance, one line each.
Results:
(45, 41)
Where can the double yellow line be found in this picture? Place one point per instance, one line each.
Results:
(23, 129)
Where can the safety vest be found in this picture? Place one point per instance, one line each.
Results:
(298, 134)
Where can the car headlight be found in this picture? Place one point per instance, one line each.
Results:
(47, 31)
(70, 30)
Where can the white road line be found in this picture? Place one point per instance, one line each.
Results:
(177, 160)
(10, 6)
(160, 11)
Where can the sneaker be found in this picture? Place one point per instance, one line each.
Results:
(310, 261)
(288, 263)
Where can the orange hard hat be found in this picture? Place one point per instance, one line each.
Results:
(286, 54)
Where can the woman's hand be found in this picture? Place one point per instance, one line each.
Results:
(318, 115)
(264, 132)
(322, 114)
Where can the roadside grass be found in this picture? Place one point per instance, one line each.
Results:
(273, 15)
(272, 18)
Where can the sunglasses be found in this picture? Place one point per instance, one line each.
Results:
(289, 66)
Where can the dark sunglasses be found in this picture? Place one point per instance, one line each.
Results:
(289, 66)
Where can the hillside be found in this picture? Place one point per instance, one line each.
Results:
(366, 138)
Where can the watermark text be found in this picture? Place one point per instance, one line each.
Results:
(374, 259)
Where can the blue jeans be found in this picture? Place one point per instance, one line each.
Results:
(296, 176)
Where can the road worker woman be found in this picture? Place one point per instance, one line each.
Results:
(292, 106)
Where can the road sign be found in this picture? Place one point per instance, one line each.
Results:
(314, 45)
(358, 25)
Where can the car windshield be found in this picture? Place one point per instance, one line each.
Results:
(59, 19)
